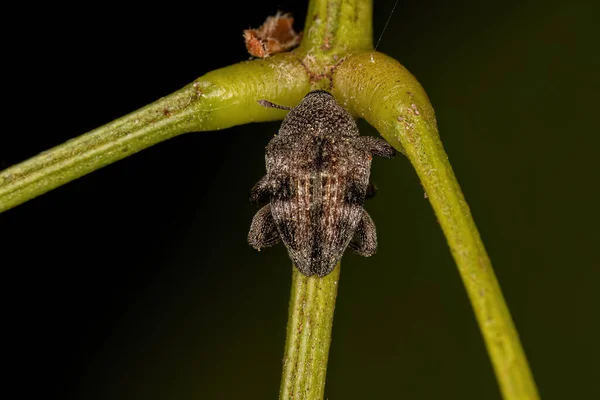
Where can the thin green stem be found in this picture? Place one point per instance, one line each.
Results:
(371, 85)
(379, 89)
(334, 26)
(312, 304)
(220, 99)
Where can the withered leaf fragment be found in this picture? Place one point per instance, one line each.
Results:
(274, 36)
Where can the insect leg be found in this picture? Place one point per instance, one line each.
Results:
(263, 231)
(261, 192)
(364, 241)
(355, 193)
(371, 191)
(376, 146)
(281, 186)
(277, 186)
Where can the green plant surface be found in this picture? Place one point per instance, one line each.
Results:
(336, 26)
(312, 304)
(379, 89)
(334, 55)
(217, 100)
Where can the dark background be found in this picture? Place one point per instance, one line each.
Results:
(136, 281)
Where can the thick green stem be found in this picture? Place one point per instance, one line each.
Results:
(379, 89)
(312, 304)
(220, 99)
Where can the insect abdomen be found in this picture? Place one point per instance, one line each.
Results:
(316, 223)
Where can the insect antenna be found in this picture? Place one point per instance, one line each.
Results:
(266, 103)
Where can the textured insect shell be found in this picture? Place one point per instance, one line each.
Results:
(320, 176)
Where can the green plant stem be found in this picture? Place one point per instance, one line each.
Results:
(334, 26)
(379, 89)
(372, 86)
(219, 99)
(310, 321)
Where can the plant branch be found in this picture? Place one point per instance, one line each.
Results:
(332, 28)
(379, 89)
(312, 303)
(219, 99)
(338, 26)
(370, 85)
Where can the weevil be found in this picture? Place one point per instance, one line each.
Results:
(317, 179)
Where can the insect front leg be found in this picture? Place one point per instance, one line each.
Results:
(263, 231)
(376, 146)
(364, 241)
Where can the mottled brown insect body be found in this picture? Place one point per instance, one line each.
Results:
(317, 179)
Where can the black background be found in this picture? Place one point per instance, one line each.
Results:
(136, 281)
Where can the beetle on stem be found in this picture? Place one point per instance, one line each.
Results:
(317, 179)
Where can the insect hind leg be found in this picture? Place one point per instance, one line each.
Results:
(263, 231)
(364, 241)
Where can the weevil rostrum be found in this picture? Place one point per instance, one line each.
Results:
(317, 179)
